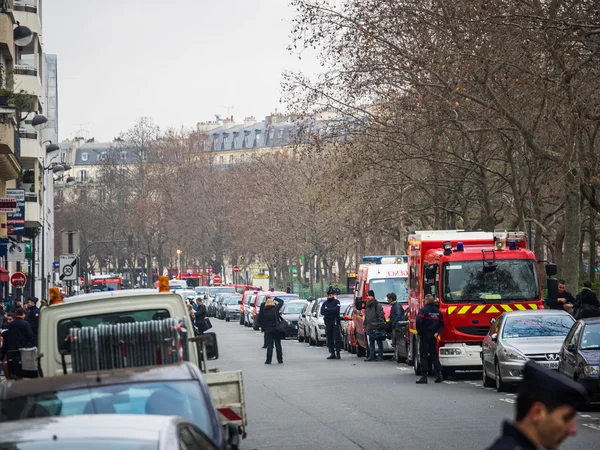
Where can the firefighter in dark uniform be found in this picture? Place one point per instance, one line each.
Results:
(545, 415)
(330, 310)
(430, 324)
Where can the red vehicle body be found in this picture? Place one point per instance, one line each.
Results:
(475, 276)
(249, 290)
(260, 298)
(382, 278)
(106, 282)
(195, 279)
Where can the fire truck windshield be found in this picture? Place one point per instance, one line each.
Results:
(383, 286)
(513, 280)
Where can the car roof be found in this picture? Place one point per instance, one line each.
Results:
(119, 294)
(590, 320)
(181, 371)
(538, 312)
(127, 427)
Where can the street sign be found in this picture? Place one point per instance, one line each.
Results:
(217, 279)
(56, 265)
(18, 279)
(68, 268)
(236, 269)
(16, 221)
(81, 281)
(15, 251)
(8, 205)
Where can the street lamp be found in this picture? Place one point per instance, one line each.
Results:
(52, 147)
(22, 35)
(38, 121)
(179, 252)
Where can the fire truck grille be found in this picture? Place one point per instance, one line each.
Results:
(475, 331)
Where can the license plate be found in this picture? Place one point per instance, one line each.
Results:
(550, 365)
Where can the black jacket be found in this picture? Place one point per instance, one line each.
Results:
(374, 316)
(512, 439)
(587, 304)
(33, 317)
(18, 335)
(268, 316)
(396, 313)
(330, 309)
(553, 303)
(429, 321)
(200, 316)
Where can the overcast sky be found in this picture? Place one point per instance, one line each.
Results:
(177, 61)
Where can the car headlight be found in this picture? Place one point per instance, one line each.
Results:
(591, 370)
(513, 355)
(321, 327)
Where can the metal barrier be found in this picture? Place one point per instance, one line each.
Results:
(135, 344)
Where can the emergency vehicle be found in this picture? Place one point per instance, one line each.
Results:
(382, 275)
(110, 282)
(475, 276)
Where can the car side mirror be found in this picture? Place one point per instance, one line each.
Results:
(495, 337)
(571, 348)
(358, 304)
(551, 269)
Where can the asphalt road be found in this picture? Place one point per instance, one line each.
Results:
(309, 402)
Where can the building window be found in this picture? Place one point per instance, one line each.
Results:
(84, 156)
(215, 141)
(224, 141)
(246, 139)
(83, 176)
(235, 141)
(232, 160)
(123, 156)
(102, 156)
(256, 138)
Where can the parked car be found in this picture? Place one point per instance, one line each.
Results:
(248, 308)
(221, 299)
(201, 290)
(214, 290)
(99, 432)
(345, 324)
(304, 319)
(231, 307)
(316, 322)
(518, 336)
(260, 299)
(291, 312)
(580, 355)
(245, 298)
(174, 389)
(186, 294)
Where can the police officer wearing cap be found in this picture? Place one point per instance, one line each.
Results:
(545, 415)
(33, 316)
(330, 310)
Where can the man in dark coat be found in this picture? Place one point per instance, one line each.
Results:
(330, 310)
(545, 415)
(33, 316)
(267, 319)
(430, 324)
(201, 316)
(18, 335)
(374, 324)
(586, 303)
(565, 300)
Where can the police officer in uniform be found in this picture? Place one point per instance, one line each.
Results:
(430, 324)
(33, 316)
(330, 310)
(545, 415)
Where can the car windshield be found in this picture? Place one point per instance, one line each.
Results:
(250, 299)
(232, 300)
(77, 444)
(168, 398)
(107, 318)
(537, 326)
(513, 280)
(201, 291)
(591, 337)
(215, 290)
(292, 308)
(288, 297)
(383, 286)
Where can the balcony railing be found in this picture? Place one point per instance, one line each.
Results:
(30, 7)
(24, 69)
(31, 197)
(28, 134)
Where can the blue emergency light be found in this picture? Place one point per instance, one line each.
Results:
(378, 259)
(512, 245)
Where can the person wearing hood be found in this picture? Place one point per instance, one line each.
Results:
(430, 324)
(586, 303)
(374, 324)
(330, 310)
(267, 319)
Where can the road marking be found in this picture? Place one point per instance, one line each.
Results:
(593, 426)
(403, 368)
(450, 382)
(507, 400)
(584, 415)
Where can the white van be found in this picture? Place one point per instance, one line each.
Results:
(90, 310)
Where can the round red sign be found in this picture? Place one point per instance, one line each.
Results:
(18, 279)
(217, 279)
(236, 269)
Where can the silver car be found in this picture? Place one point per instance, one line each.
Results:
(518, 336)
(304, 320)
(103, 431)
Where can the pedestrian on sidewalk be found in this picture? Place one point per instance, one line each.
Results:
(586, 303)
(545, 411)
(375, 326)
(430, 324)
(267, 319)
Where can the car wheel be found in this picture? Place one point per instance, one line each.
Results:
(227, 319)
(500, 385)
(487, 381)
(415, 347)
(300, 338)
(397, 356)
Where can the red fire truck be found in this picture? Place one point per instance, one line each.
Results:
(475, 276)
(101, 283)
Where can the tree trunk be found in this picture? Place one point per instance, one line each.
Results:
(149, 283)
(592, 260)
(570, 259)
